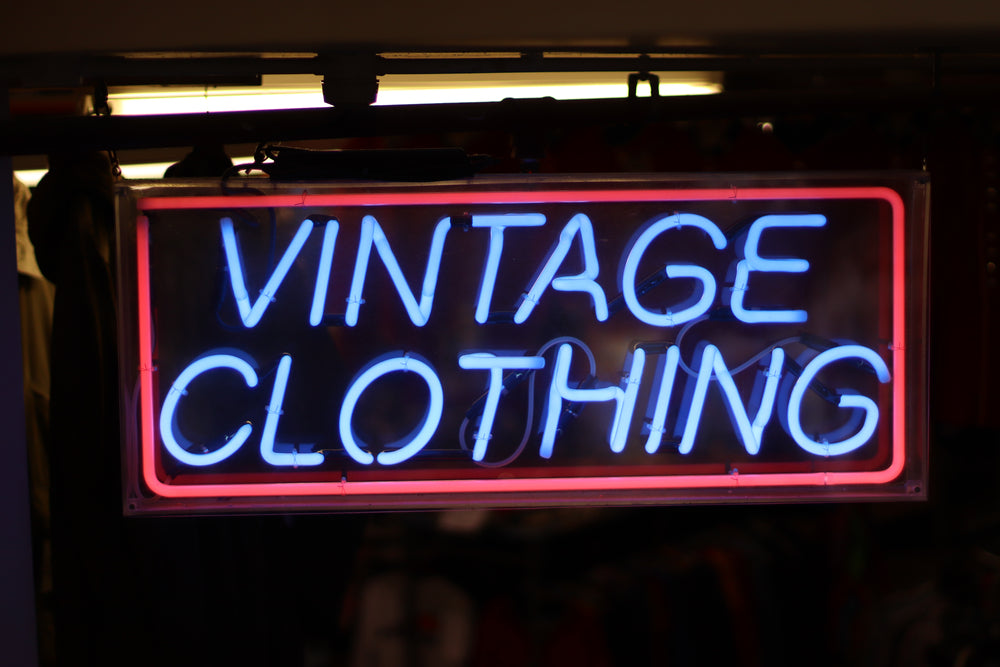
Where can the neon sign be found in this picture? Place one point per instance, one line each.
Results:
(511, 343)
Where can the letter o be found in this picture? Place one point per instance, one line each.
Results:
(417, 439)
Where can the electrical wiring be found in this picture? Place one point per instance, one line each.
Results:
(742, 367)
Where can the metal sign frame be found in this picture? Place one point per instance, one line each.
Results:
(902, 198)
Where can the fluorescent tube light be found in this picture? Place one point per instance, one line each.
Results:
(31, 177)
(305, 93)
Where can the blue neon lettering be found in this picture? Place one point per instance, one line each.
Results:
(496, 366)
(666, 371)
(497, 224)
(372, 234)
(694, 398)
(754, 262)
(750, 433)
(750, 419)
(251, 315)
(559, 390)
(619, 429)
(708, 286)
(821, 445)
(174, 442)
(764, 395)
(579, 225)
(409, 445)
(268, 446)
(323, 273)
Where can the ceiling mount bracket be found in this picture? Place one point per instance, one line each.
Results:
(351, 80)
(643, 75)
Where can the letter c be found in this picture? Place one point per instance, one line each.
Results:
(168, 431)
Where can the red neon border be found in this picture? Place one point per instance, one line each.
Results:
(577, 484)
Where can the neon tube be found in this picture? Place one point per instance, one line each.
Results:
(496, 366)
(754, 262)
(251, 315)
(148, 374)
(765, 407)
(419, 437)
(497, 224)
(668, 372)
(631, 268)
(585, 281)
(168, 415)
(371, 233)
(696, 398)
(821, 447)
(267, 442)
(559, 390)
(619, 428)
(323, 273)
(750, 433)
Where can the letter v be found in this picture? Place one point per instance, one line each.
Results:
(251, 314)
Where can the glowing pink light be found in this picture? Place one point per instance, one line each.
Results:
(452, 487)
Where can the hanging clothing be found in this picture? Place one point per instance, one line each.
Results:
(36, 302)
(71, 225)
(131, 590)
(36, 296)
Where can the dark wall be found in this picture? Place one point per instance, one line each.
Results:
(107, 26)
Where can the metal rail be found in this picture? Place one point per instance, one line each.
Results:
(208, 69)
(38, 135)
